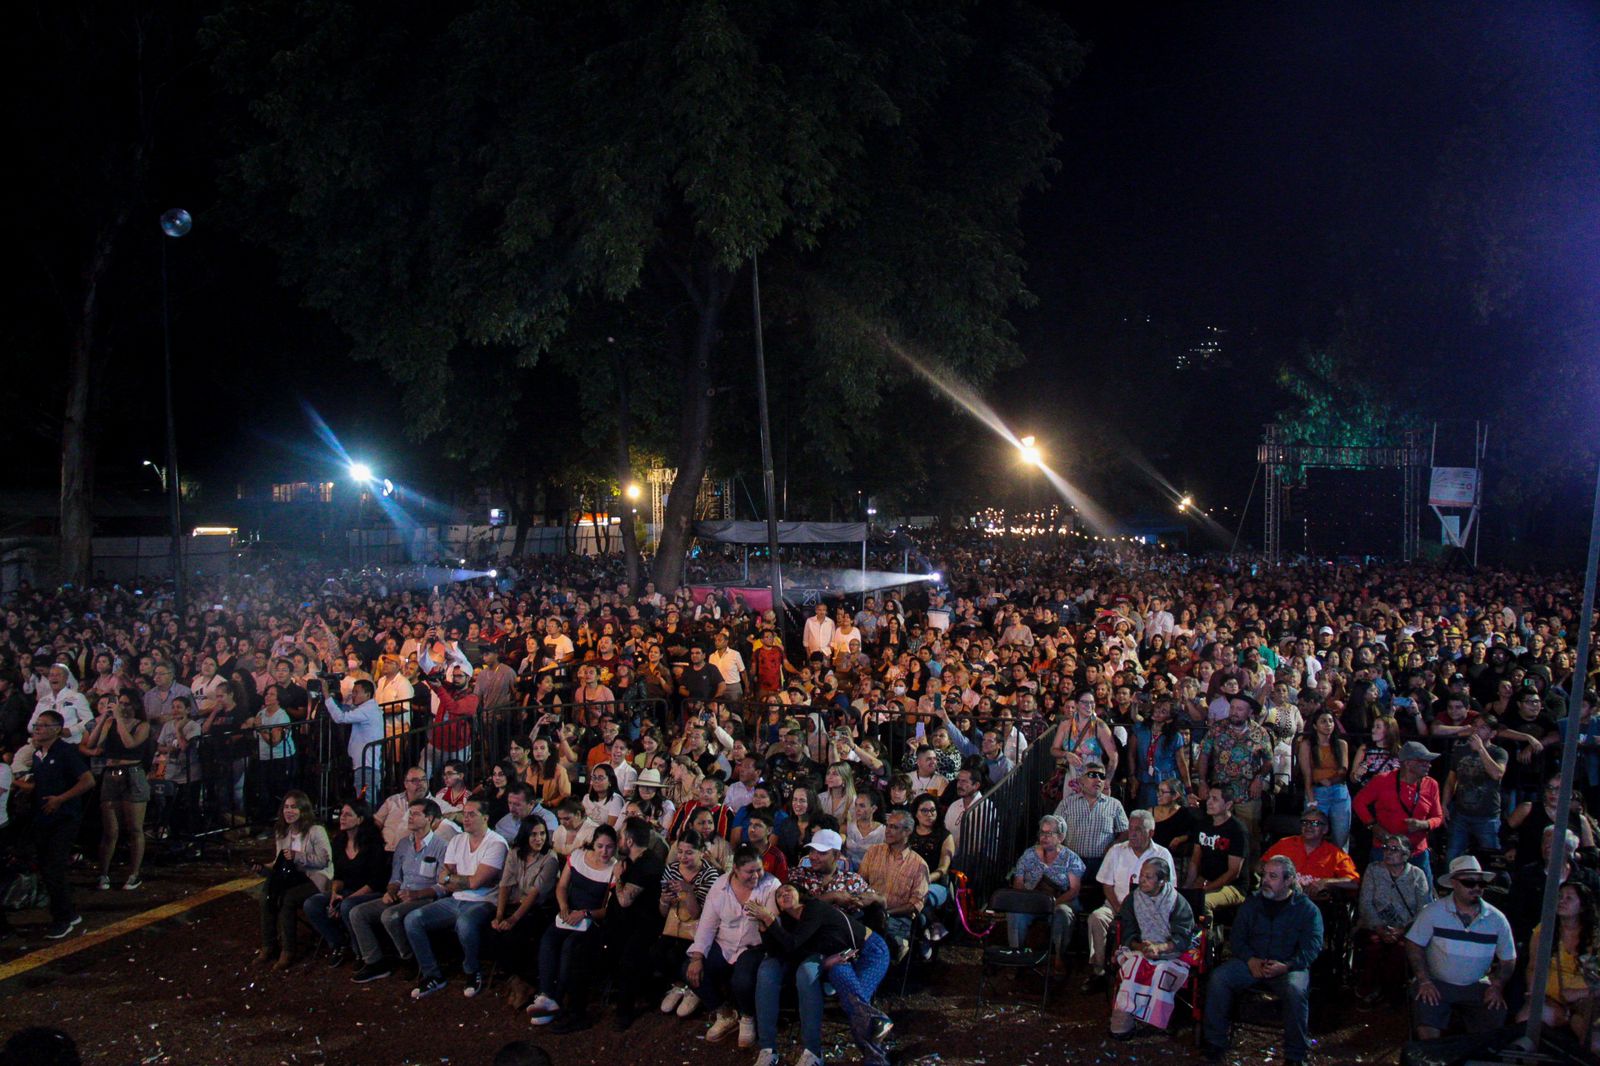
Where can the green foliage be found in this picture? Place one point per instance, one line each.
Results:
(1335, 406)
(507, 180)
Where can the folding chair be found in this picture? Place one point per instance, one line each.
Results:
(1008, 902)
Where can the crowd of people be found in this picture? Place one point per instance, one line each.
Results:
(673, 799)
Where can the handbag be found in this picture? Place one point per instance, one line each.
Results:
(283, 876)
(679, 924)
(842, 957)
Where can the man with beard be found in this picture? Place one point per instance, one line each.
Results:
(1275, 938)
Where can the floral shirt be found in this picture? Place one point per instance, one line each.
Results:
(1032, 869)
(1235, 757)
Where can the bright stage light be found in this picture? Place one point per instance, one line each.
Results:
(936, 576)
(361, 472)
(1030, 451)
(633, 490)
(494, 573)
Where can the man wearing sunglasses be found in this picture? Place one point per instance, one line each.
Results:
(1463, 953)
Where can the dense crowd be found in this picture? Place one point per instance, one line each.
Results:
(575, 785)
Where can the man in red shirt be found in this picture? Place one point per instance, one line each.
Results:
(1405, 802)
(758, 834)
(1322, 866)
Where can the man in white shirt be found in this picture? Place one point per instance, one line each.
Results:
(472, 865)
(967, 794)
(62, 696)
(391, 816)
(366, 722)
(731, 665)
(1159, 622)
(1119, 875)
(818, 635)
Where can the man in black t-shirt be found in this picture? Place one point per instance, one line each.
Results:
(1216, 863)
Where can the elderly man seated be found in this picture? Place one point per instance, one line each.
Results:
(1119, 875)
(1275, 938)
(897, 878)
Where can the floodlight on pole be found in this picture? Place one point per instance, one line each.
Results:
(633, 491)
(1030, 451)
(1186, 503)
(361, 472)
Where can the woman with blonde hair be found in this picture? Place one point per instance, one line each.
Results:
(838, 799)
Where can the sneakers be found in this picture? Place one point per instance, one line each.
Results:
(132, 883)
(747, 1031)
(61, 929)
(882, 1026)
(807, 1059)
(689, 1003)
(428, 987)
(937, 931)
(372, 971)
(722, 1027)
(337, 956)
(674, 996)
(543, 1009)
(103, 885)
(475, 984)
(768, 1057)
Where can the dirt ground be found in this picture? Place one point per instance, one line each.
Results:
(182, 991)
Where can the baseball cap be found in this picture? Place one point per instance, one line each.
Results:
(825, 840)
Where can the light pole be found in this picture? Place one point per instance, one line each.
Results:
(159, 472)
(174, 224)
(768, 483)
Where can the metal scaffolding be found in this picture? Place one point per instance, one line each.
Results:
(1280, 459)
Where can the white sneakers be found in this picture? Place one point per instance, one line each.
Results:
(689, 1003)
(543, 1009)
(723, 1026)
(674, 996)
(768, 1057)
(807, 1059)
(747, 1032)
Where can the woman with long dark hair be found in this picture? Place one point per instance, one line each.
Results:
(124, 739)
(301, 867)
(525, 905)
(1572, 991)
(360, 873)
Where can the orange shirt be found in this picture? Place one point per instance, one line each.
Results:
(1327, 863)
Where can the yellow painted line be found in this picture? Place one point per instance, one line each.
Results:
(74, 944)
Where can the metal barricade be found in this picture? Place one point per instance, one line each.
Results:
(997, 828)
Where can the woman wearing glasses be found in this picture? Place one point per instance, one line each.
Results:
(1393, 893)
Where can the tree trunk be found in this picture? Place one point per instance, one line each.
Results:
(630, 538)
(77, 453)
(677, 524)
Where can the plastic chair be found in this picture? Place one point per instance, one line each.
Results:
(1007, 902)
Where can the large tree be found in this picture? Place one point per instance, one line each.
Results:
(448, 177)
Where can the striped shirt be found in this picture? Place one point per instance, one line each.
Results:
(1461, 954)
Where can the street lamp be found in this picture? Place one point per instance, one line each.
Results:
(1030, 451)
(159, 472)
(1185, 503)
(633, 491)
(175, 223)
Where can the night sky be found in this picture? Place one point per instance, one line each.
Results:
(1261, 176)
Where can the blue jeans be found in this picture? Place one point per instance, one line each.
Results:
(938, 894)
(334, 930)
(1334, 801)
(808, 992)
(366, 783)
(1481, 831)
(856, 981)
(470, 918)
(1233, 977)
(1061, 919)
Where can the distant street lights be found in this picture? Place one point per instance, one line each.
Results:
(160, 472)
